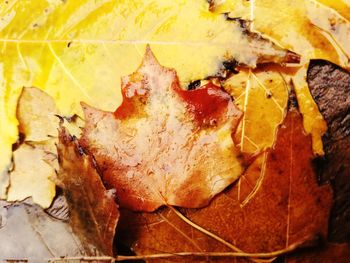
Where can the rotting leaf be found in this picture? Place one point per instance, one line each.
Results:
(330, 87)
(93, 212)
(28, 233)
(164, 145)
(285, 205)
(35, 157)
(78, 50)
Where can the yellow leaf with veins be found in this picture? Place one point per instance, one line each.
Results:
(310, 28)
(78, 50)
(262, 94)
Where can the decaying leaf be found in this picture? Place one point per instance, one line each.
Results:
(28, 233)
(35, 160)
(330, 87)
(164, 145)
(93, 212)
(78, 50)
(277, 203)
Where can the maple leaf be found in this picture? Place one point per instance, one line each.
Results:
(277, 203)
(164, 145)
(53, 45)
(93, 212)
(330, 87)
(307, 27)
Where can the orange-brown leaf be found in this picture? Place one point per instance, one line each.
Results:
(277, 203)
(164, 145)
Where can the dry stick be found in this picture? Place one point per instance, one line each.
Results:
(187, 254)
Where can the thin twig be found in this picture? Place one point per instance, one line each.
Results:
(264, 255)
(204, 231)
(208, 233)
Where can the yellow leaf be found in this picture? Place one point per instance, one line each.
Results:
(32, 176)
(35, 160)
(312, 29)
(78, 50)
(262, 95)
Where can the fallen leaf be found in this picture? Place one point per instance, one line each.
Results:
(93, 212)
(78, 51)
(32, 176)
(311, 29)
(36, 114)
(164, 145)
(262, 95)
(277, 203)
(330, 87)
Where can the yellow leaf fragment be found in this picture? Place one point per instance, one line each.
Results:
(262, 95)
(36, 113)
(32, 176)
(35, 159)
(332, 26)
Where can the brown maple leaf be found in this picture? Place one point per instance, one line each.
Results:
(330, 87)
(164, 145)
(93, 212)
(276, 203)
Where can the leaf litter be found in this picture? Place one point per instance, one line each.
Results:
(334, 38)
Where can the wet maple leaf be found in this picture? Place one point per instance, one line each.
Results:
(276, 203)
(93, 212)
(330, 86)
(164, 145)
